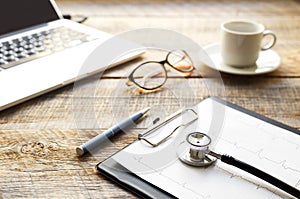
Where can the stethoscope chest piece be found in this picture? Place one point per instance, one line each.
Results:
(197, 154)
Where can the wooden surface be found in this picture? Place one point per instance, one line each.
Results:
(38, 137)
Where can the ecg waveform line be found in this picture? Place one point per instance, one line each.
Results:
(139, 159)
(262, 127)
(258, 186)
(298, 183)
(258, 154)
(274, 137)
(230, 175)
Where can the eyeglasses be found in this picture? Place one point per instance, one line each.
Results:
(152, 75)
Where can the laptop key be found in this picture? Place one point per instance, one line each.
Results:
(17, 41)
(7, 43)
(5, 53)
(2, 62)
(22, 55)
(11, 58)
(40, 48)
(31, 52)
(28, 47)
(45, 32)
(88, 38)
(2, 49)
(24, 60)
(40, 44)
(73, 43)
(19, 50)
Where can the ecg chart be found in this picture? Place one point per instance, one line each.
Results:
(258, 143)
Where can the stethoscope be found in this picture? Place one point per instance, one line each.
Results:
(200, 155)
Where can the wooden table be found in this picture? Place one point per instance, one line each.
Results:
(38, 137)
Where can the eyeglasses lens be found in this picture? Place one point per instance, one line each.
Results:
(150, 75)
(180, 60)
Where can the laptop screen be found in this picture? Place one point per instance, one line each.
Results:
(18, 14)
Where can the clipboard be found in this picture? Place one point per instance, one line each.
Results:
(140, 187)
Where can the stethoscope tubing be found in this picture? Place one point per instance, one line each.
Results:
(199, 143)
(261, 174)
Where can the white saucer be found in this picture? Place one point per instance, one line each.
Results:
(268, 61)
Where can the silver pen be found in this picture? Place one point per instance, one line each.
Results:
(95, 142)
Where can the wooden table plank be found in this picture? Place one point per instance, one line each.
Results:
(190, 19)
(42, 163)
(177, 8)
(288, 50)
(55, 110)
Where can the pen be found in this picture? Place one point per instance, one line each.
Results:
(95, 142)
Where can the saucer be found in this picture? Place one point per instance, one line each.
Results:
(268, 61)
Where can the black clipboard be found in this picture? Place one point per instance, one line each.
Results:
(128, 180)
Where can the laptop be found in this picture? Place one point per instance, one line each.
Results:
(40, 51)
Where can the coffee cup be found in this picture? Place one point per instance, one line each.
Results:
(241, 42)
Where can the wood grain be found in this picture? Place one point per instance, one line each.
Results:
(38, 137)
(42, 163)
(199, 20)
(260, 94)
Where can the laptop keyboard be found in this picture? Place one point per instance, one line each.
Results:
(38, 45)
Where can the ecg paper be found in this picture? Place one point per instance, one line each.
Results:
(256, 142)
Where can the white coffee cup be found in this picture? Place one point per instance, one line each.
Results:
(241, 42)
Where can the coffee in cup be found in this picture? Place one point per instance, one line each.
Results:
(241, 42)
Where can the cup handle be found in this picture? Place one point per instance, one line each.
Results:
(271, 43)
